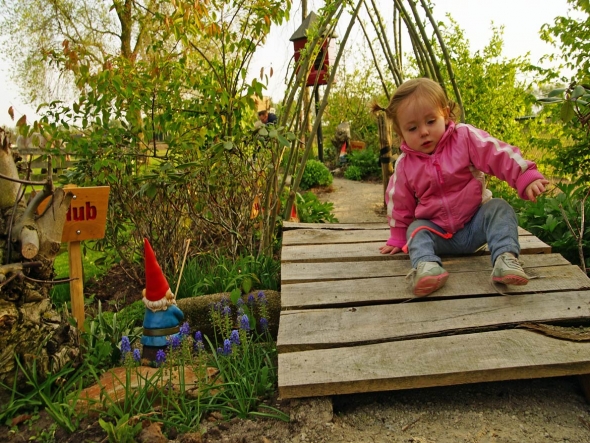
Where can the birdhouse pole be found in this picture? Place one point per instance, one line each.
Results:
(318, 75)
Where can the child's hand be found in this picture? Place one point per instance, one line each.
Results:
(389, 249)
(536, 188)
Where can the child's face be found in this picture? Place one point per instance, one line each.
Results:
(422, 124)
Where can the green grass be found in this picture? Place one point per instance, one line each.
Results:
(60, 294)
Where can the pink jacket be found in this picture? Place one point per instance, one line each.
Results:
(447, 186)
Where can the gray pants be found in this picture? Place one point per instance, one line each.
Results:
(494, 223)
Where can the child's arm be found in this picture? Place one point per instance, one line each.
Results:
(401, 206)
(535, 189)
(504, 161)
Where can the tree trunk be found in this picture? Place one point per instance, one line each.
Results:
(31, 330)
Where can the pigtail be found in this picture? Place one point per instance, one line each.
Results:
(375, 108)
(454, 110)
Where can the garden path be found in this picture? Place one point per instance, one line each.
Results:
(355, 202)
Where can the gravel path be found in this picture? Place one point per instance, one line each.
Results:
(356, 202)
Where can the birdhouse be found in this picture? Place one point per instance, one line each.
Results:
(319, 70)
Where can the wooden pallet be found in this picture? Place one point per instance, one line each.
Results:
(349, 323)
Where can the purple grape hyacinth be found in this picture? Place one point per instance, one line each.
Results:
(235, 337)
(174, 341)
(185, 329)
(226, 346)
(262, 298)
(264, 323)
(245, 323)
(136, 355)
(125, 345)
(160, 357)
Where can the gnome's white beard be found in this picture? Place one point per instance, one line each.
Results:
(159, 305)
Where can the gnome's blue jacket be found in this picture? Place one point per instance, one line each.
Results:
(169, 318)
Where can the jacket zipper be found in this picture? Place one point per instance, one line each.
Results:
(441, 182)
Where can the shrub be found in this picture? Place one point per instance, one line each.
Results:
(315, 174)
(353, 172)
(311, 210)
(366, 162)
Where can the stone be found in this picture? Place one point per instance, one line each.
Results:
(116, 383)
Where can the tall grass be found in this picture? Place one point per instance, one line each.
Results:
(212, 274)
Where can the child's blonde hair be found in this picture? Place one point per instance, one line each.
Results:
(423, 88)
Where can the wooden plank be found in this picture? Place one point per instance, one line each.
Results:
(332, 271)
(370, 251)
(391, 289)
(329, 328)
(328, 236)
(333, 226)
(440, 361)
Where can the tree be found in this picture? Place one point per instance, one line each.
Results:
(496, 91)
(87, 32)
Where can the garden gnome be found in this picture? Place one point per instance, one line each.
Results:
(162, 316)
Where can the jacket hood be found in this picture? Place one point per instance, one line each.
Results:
(450, 129)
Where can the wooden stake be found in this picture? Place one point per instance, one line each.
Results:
(188, 242)
(77, 282)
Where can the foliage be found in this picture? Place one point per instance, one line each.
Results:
(315, 174)
(548, 219)
(242, 352)
(311, 210)
(571, 36)
(57, 393)
(121, 431)
(245, 358)
(60, 293)
(353, 172)
(492, 89)
(215, 273)
(572, 160)
(367, 163)
(102, 335)
(168, 131)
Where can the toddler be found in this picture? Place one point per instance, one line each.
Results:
(436, 199)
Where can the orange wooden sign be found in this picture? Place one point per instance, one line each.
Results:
(87, 217)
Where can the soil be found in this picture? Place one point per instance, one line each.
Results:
(552, 410)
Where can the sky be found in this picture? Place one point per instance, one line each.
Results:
(522, 20)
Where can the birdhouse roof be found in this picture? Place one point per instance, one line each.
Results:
(301, 31)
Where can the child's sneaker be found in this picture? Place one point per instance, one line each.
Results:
(508, 271)
(428, 277)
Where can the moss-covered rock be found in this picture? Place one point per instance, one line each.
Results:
(197, 310)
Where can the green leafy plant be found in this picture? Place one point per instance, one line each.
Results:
(121, 431)
(245, 356)
(353, 172)
(102, 335)
(315, 174)
(58, 393)
(214, 273)
(560, 221)
(364, 164)
(311, 210)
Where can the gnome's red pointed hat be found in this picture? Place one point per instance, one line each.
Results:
(156, 284)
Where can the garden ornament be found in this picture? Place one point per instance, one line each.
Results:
(162, 316)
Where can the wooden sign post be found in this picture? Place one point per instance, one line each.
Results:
(86, 220)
